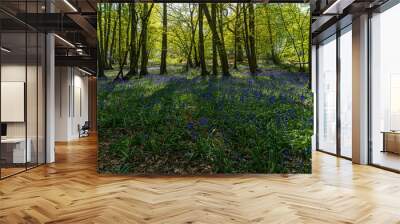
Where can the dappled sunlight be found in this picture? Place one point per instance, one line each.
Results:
(171, 124)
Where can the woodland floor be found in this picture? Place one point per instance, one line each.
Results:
(181, 123)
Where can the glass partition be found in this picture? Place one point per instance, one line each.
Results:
(22, 88)
(13, 95)
(32, 98)
(385, 89)
(41, 97)
(346, 92)
(327, 95)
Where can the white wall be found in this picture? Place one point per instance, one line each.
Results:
(71, 102)
(17, 73)
(33, 126)
(80, 110)
(11, 73)
(62, 82)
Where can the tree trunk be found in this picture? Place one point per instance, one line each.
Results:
(133, 44)
(239, 48)
(235, 34)
(249, 37)
(274, 57)
(220, 23)
(196, 58)
(124, 59)
(120, 63)
(290, 36)
(252, 38)
(214, 42)
(163, 67)
(107, 49)
(111, 50)
(192, 44)
(239, 38)
(100, 46)
(201, 44)
(221, 50)
(144, 53)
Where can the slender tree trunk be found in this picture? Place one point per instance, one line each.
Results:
(120, 72)
(145, 56)
(111, 50)
(252, 38)
(143, 39)
(249, 36)
(239, 48)
(107, 54)
(246, 34)
(235, 34)
(290, 36)
(214, 42)
(100, 46)
(274, 57)
(133, 44)
(220, 23)
(192, 43)
(189, 62)
(221, 50)
(163, 67)
(201, 44)
(124, 59)
(196, 57)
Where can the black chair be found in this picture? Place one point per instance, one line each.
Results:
(84, 130)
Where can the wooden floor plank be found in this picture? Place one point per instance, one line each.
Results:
(71, 191)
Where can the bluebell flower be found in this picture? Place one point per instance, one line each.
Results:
(108, 87)
(291, 113)
(203, 121)
(285, 153)
(258, 95)
(272, 99)
(194, 136)
(207, 95)
(190, 125)
(281, 120)
(302, 98)
(242, 99)
(251, 82)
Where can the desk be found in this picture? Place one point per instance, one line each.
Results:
(15, 148)
(391, 141)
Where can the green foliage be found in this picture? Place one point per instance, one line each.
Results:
(282, 32)
(181, 125)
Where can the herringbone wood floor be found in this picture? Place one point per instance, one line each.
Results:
(70, 191)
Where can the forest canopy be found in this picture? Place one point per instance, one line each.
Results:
(214, 38)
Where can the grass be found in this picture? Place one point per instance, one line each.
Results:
(192, 125)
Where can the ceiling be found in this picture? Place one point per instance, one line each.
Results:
(74, 22)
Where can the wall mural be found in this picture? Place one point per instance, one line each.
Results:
(187, 88)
